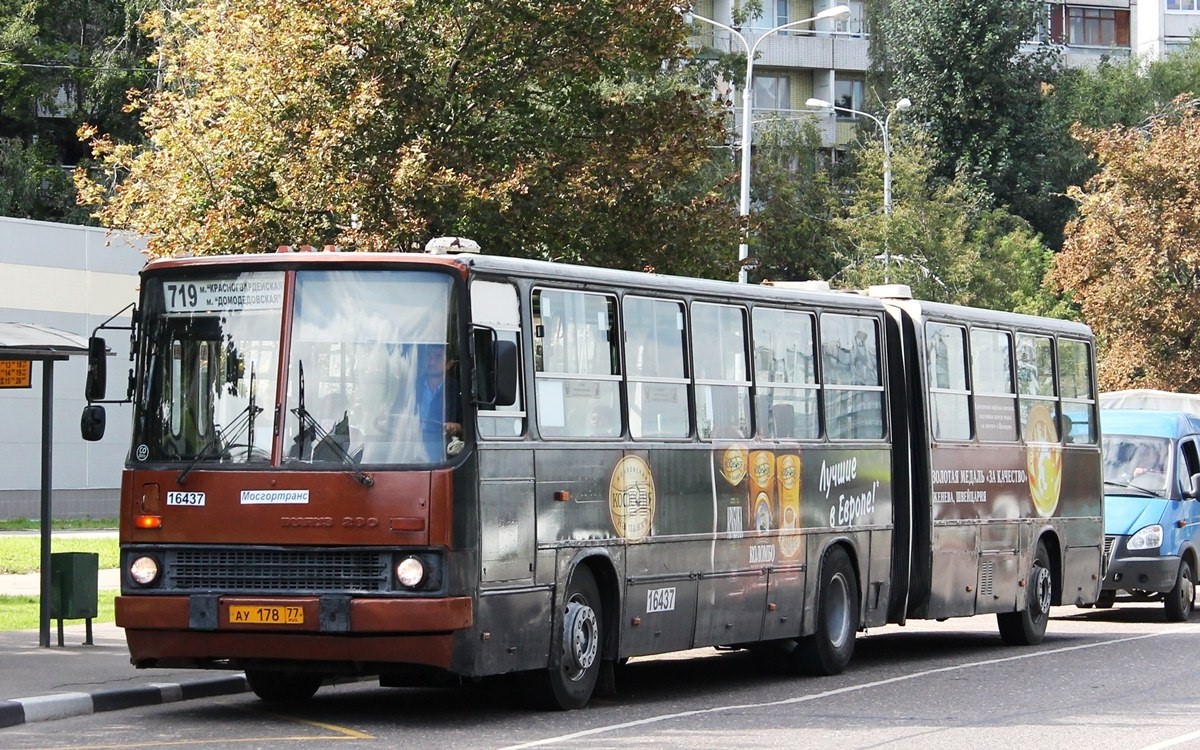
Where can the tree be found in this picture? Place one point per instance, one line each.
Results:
(62, 63)
(943, 239)
(981, 95)
(793, 235)
(33, 185)
(556, 129)
(1131, 260)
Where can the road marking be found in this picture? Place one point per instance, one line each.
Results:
(339, 733)
(848, 689)
(1172, 742)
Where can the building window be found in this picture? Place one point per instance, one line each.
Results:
(848, 93)
(772, 92)
(1093, 27)
(856, 23)
(781, 12)
(1183, 5)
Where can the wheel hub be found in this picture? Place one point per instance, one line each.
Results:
(1041, 588)
(582, 644)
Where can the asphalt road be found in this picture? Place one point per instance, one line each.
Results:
(1120, 678)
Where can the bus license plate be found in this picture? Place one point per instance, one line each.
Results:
(242, 615)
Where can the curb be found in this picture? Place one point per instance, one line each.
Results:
(65, 705)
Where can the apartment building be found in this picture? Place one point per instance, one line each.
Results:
(828, 59)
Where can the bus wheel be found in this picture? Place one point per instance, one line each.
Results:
(1106, 599)
(1179, 599)
(569, 683)
(828, 651)
(283, 687)
(1028, 626)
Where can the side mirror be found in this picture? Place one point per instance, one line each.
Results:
(91, 424)
(496, 368)
(1193, 490)
(506, 373)
(97, 372)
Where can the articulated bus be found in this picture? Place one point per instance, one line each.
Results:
(442, 466)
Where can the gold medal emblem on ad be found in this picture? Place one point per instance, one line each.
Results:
(1043, 460)
(631, 498)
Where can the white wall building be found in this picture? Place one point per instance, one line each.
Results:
(71, 278)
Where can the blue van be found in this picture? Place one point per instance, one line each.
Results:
(1151, 510)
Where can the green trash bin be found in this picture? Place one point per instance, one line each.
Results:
(74, 580)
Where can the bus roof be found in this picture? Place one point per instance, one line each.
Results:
(921, 310)
(534, 269)
(1153, 423)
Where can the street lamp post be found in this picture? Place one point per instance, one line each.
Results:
(884, 126)
(837, 11)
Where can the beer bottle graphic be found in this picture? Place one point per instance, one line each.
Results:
(788, 481)
(762, 491)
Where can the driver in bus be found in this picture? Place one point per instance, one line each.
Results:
(438, 403)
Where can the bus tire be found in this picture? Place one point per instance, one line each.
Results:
(1179, 600)
(828, 650)
(570, 680)
(283, 687)
(1027, 627)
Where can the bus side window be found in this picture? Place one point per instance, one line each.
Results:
(657, 370)
(722, 377)
(1037, 400)
(495, 304)
(992, 381)
(785, 374)
(1075, 387)
(949, 398)
(850, 367)
(578, 372)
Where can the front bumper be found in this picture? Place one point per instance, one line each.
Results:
(1156, 573)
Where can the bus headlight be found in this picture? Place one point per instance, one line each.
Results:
(1149, 537)
(410, 572)
(144, 570)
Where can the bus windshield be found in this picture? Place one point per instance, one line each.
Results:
(373, 372)
(372, 369)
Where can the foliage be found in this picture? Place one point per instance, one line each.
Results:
(1132, 258)
(793, 235)
(549, 129)
(980, 95)
(32, 186)
(62, 63)
(944, 240)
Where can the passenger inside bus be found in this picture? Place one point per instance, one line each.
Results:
(438, 403)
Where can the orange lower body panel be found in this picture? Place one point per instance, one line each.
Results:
(403, 631)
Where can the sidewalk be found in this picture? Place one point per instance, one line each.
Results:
(41, 684)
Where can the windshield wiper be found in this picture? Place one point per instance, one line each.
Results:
(243, 420)
(1127, 486)
(310, 428)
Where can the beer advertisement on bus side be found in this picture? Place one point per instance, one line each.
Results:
(741, 491)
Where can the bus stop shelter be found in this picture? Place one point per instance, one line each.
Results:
(22, 344)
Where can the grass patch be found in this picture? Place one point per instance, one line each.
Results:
(62, 524)
(23, 554)
(24, 613)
